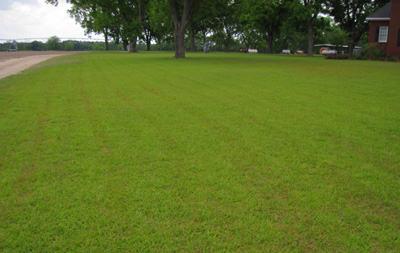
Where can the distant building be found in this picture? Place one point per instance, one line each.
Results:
(384, 28)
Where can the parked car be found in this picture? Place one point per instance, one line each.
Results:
(329, 52)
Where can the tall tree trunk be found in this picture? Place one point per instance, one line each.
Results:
(132, 45)
(106, 38)
(192, 35)
(310, 50)
(180, 24)
(351, 47)
(352, 40)
(133, 41)
(205, 46)
(180, 49)
(125, 45)
(228, 41)
(269, 41)
(148, 42)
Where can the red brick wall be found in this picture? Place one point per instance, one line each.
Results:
(394, 29)
(372, 33)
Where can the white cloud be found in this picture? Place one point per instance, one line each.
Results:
(6, 4)
(36, 19)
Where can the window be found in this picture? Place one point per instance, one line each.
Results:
(383, 34)
(398, 39)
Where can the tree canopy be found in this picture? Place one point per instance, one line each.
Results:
(53, 43)
(268, 25)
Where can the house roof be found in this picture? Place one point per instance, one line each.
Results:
(381, 14)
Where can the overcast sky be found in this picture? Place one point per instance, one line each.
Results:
(36, 19)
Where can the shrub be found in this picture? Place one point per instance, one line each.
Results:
(338, 57)
(373, 52)
(99, 47)
(358, 57)
(392, 58)
(361, 57)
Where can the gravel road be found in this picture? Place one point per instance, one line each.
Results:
(14, 62)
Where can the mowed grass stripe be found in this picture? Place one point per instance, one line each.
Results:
(183, 117)
(49, 163)
(167, 159)
(215, 152)
(30, 130)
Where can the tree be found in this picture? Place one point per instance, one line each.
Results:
(306, 12)
(93, 18)
(337, 37)
(226, 29)
(303, 17)
(351, 16)
(181, 11)
(69, 46)
(204, 19)
(311, 10)
(147, 32)
(53, 43)
(267, 17)
(160, 21)
(129, 14)
(292, 37)
(125, 17)
(38, 46)
(247, 26)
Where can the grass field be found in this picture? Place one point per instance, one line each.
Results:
(217, 152)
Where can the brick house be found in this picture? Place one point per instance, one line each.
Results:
(384, 28)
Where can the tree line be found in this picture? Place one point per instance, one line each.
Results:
(54, 43)
(223, 23)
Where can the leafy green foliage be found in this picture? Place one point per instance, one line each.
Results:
(373, 52)
(227, 26)
(37, 46)
(262, 17)
(268, 25)
(53, 43)
(392, 58)
(69, 46)
(351, 16)
(160, 20)
(337, 37)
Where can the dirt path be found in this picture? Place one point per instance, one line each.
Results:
(13, 63)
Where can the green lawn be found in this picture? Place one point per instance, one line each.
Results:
(216, 152)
